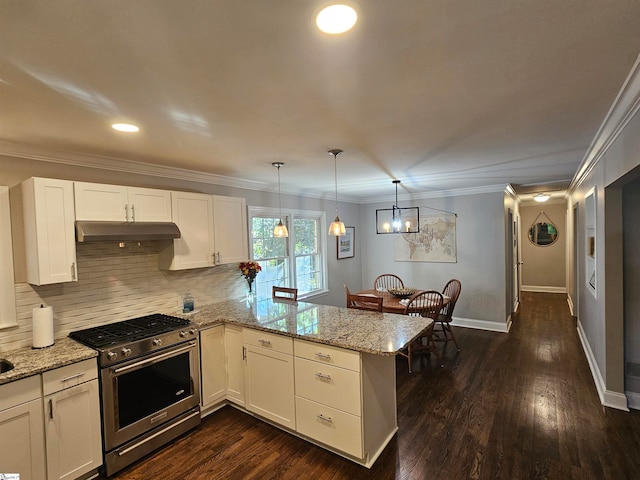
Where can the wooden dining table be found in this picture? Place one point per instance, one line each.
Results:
(391, 303)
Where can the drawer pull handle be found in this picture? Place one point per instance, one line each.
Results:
(324, 356)
(77, 375)
(264, 342)
(324, 419)
(323, 376)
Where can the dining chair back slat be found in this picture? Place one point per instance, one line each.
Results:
(452, 290)
(284, 293)
(364, 302)
(427, 303)
(386, 281)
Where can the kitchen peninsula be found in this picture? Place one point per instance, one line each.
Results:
(324, 373)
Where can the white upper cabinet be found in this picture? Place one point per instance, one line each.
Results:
(230, 223)
(193, 213)
(49, 234)
(117, 203)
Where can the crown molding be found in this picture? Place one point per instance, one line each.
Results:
(105, 162)
(458, 192)
(624, 107)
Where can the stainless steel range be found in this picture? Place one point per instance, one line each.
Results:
(149, 382)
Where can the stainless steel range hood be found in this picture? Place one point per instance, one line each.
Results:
(123, 231)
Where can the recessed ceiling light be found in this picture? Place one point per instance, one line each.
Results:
(541, 197)
(125, 127)
(336, 19)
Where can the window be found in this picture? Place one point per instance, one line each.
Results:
(298, 261)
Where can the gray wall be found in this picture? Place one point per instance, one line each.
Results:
(544, 267)
(631, 253)
(615, 154)
(480, 267)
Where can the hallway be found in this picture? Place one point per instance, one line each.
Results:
(520, 405)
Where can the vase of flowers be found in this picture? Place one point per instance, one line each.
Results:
(249, 270)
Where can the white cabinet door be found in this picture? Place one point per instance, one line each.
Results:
(49, 230)
(72, 429)
(149, 205)
(101, 202)
(212, 365)
(234, 360)
(269, 385)
(118, 203)
(21, 436)
(230, 223)
(193, 213)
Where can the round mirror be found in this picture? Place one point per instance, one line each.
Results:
(543, 234)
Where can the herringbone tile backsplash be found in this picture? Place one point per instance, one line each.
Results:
(116, 284)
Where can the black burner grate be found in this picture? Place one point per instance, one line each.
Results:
(128, 330)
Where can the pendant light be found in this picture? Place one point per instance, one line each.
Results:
(280, 230)
(337, 227)
(396, 219)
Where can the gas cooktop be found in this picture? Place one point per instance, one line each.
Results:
(128, 331)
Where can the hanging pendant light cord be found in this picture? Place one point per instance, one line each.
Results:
(279, 198)
(335, 178)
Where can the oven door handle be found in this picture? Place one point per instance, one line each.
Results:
(155, 358)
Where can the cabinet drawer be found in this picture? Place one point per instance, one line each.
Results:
(272, 341)
(20, 391)
(69, 376)
(327, 425)
(328, 354)
(333, 386)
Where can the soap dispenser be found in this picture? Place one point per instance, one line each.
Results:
(187, 303)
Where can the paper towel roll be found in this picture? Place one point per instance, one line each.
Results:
(42, 327)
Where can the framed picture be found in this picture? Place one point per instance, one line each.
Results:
(346, 243)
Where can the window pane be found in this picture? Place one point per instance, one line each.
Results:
(300, 265)
(306, 234)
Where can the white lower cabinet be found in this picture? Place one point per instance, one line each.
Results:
(212, 361)
(234, 361)
(345, 400)
(269, 377)
(21, 438)
(72, 420)
(339, 399)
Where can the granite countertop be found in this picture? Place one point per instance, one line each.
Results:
(360, 330)
(29, 361)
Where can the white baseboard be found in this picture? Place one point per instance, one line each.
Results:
(482, 324)
(543, 289)
(608, 398)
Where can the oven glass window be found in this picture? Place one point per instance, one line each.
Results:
(147, 390)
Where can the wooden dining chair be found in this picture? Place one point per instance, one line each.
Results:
(427, 303)
(284, 293)
(386, 281)
(364, 302)
(443, 322)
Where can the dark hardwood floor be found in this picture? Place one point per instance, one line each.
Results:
(521, 405)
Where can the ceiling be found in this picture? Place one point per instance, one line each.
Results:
(443, 95)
